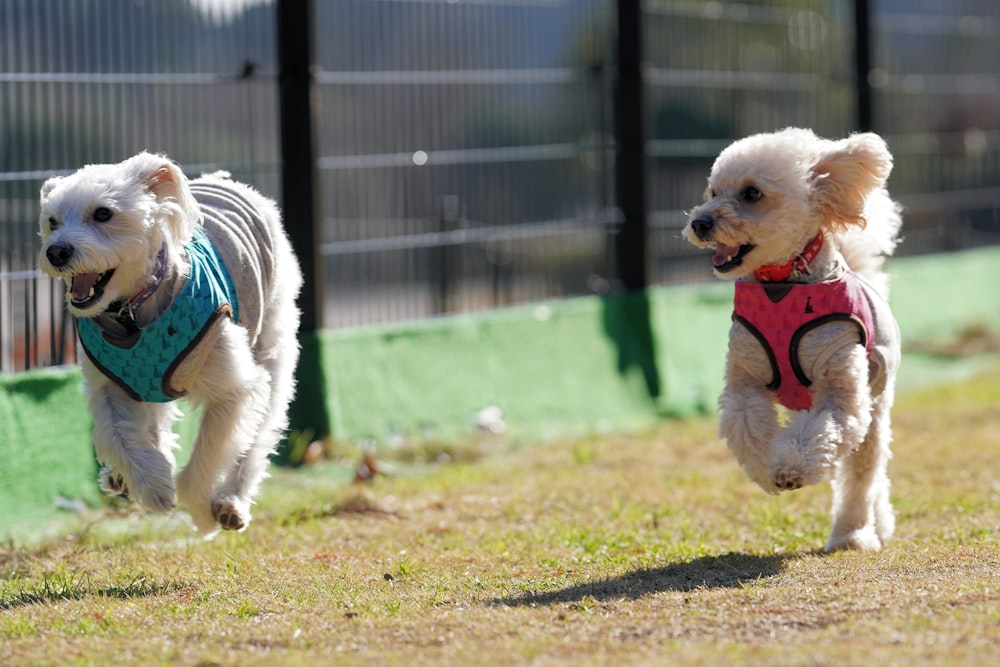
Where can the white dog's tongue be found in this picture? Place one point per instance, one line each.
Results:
(724, 253)
(83, 283)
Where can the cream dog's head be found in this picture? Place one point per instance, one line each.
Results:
(107, 228)
(769, 195)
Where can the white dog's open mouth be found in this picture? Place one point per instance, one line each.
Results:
(87, 288)
(728, 257)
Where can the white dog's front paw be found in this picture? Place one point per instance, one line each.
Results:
(231, 512)
(198, 506)
(154, 493)
(111, 482)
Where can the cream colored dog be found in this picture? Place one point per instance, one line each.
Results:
(180, 289)
(804, 225)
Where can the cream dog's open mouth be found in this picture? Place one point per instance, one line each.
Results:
(87, 288)
(728, 257)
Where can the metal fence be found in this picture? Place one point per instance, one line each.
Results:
(470, 154)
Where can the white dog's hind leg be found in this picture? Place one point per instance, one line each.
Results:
(278, 352)
(130, 442)
(235, 389)
(232, 500)
(862, 514)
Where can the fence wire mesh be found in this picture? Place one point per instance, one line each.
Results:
(466, 151)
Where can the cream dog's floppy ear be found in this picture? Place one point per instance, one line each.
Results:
(845, 174)
(163, 178)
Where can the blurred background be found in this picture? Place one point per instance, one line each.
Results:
(471, 154)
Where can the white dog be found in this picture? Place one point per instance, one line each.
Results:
(804, 225)
(180, 288)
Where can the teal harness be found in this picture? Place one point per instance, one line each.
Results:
(143, 363)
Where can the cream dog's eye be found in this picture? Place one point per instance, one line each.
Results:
(53, 222)
(751, 194)
(102, 214)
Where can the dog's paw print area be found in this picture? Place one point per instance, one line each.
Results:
(228, 515)
(788, 480)
(112, 483)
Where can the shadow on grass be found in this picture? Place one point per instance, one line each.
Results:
(58, 586)
(726, 571)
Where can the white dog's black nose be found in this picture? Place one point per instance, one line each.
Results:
(59, 254)
(702, 227)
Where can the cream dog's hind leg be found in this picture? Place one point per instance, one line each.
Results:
(862, 513)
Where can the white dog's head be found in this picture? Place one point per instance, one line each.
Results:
(769, 195)
(103, 228)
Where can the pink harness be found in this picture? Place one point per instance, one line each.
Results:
(780, 314)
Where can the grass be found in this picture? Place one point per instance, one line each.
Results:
(640, 549)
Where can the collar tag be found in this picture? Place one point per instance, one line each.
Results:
(125, 313)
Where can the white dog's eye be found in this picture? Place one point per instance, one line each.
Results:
(102, 214)
(53, 222)
(751, 194)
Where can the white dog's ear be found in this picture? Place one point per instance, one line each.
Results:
(168, 184)
(844, 175)
(48, 186)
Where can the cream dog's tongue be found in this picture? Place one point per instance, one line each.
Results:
(724, 253)
(83, 285)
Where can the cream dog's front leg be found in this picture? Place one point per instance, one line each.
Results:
(806, 449)
(131, 442)
(748, 421)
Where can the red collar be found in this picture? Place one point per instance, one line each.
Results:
(776, 273)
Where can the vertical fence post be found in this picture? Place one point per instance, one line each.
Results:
(863, 65)
(448, 221)
(630, 163)
(298, 160)
(628, 317)
(309, 414)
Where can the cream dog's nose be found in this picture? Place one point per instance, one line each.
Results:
(702, 226)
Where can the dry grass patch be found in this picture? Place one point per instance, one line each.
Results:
(643, 549)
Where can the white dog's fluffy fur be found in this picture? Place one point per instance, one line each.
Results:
(768, 196)
(109, 231)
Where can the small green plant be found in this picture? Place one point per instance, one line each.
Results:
(245, 610)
